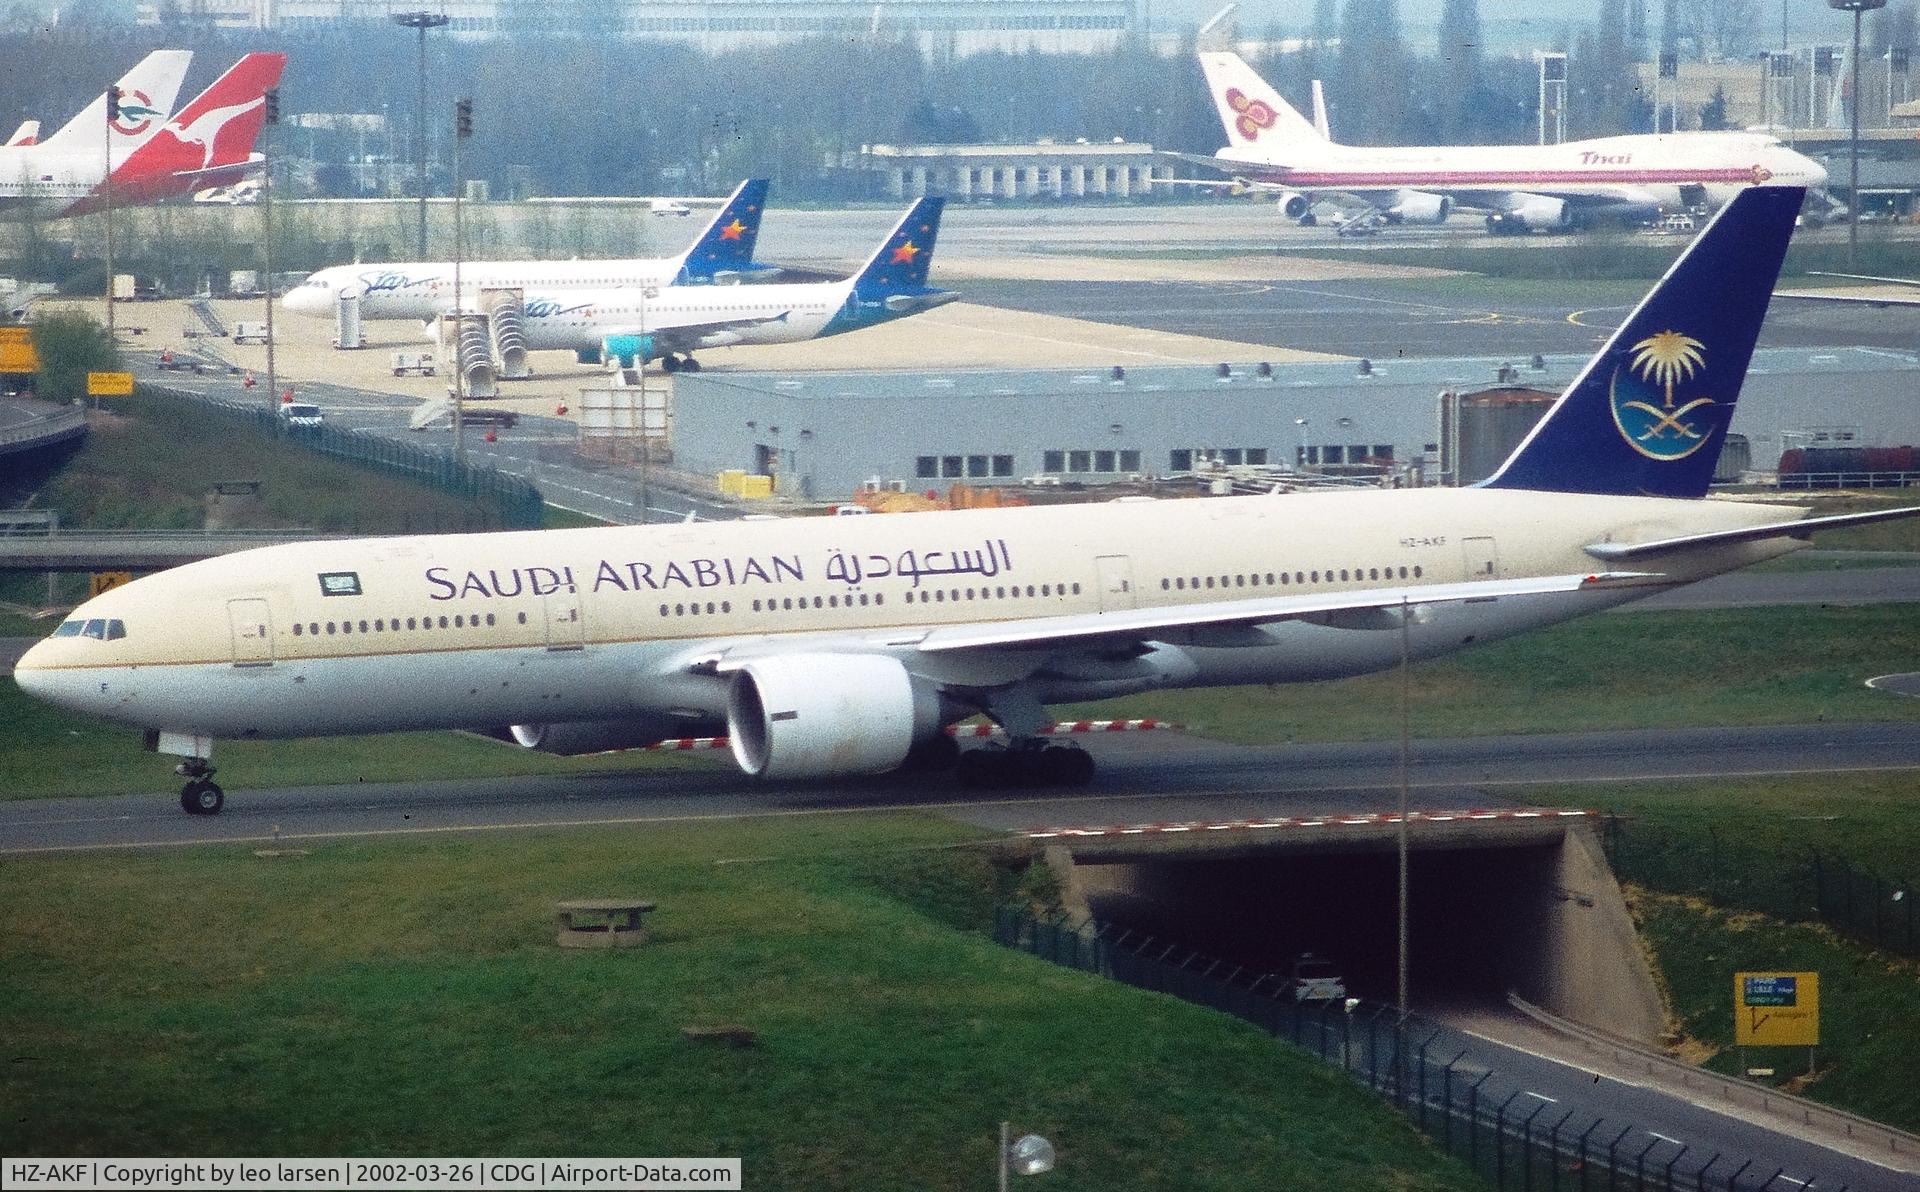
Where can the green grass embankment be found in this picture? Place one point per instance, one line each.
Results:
(1720, 883)
(407, 999)
(1867, 1001)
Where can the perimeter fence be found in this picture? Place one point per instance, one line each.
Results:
(1803, 885)
(520, 504)
(1512, 1138)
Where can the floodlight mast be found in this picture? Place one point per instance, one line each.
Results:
(421, 21)
(1856, 7)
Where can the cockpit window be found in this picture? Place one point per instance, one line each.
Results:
(116, 629)
(95, 628)
(69, 629)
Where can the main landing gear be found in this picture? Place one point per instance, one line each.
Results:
(679, 364)
(1025, 763)
(200, 796)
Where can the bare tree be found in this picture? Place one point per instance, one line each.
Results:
(1721, 30)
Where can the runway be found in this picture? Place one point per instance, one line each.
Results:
(1385, 319)
(1144, 778)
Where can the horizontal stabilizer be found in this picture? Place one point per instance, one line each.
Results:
(1804, 528)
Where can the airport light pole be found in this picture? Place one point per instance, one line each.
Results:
(462, 129)
(1856, 7)
(269, 118)
(421, 21)
(106, 182)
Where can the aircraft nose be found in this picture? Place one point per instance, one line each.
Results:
(30, 673)
(306, 299)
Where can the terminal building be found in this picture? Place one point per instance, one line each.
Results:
(825, 435)
(949, 26)
(1073, 170)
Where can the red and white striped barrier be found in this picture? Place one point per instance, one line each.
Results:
(1065, 728)
(681, 744)
(1314, 821)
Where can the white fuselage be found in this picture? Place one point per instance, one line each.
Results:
(475, 630)
(1660, 170)
(424, 289)
(754, 314)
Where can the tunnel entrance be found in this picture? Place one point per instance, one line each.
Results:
(1495, 906)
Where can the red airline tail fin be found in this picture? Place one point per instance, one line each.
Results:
(215, 130)
(26, 134)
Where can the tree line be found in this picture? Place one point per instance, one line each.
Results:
(563, 109)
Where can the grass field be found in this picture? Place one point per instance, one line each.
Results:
(1867, 1001)
(407, 999)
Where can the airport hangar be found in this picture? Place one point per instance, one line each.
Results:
(827, 434)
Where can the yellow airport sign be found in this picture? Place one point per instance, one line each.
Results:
(1776, 1009)
(102, 581)
(16, 350)
(109, 384)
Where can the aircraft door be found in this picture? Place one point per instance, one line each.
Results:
(252, 627)
(1483, 561)
(566, 630)
(1116, 582)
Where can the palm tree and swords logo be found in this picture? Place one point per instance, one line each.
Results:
(1643, 403)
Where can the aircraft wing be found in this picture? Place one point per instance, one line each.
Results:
(689, 329)
(1804, 528)
(1170, 624)
(1855, 299)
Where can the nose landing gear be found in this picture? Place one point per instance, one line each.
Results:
(200, 795)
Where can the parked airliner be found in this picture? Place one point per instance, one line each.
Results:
(54, 176)
(633, 327)
(1272, 149)
(838, 646)
(207, 143)
(416, 290)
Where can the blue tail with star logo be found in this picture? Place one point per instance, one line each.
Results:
(900, 266)
(1649, 413)
(726, 247)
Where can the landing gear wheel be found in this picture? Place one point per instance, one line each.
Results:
(982, 769)
(1000, 769)
(1309, 220)
(1063, 765)
(689, 364)
(670, 364)
(932, 755)
(201, 797)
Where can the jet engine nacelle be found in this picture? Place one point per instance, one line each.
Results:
(1419, 207)
(1293, 204)
(815, 715)
(1531, 213)
(628, 351)
(573, 738)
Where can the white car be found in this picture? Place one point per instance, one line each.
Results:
(301, 414)
(669, 207)
(1315, 979)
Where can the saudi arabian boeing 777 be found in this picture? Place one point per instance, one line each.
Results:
(1272, 149)
(417, 290)
(632, 327)
(825, 647)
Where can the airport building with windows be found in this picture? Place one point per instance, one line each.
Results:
(825, 435)
(1069, 170)
(950, 26)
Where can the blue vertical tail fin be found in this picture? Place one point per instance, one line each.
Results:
(900, 265)
(1648, 414)
(726, 246)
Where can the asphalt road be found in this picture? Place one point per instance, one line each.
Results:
(1145, 778)
(1383, 320)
